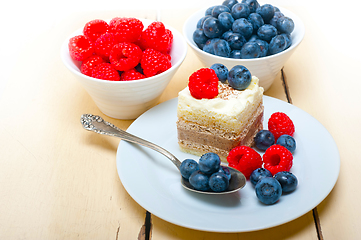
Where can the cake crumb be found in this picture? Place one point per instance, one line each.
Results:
(226, 92)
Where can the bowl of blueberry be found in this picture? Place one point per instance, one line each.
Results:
(258, 36)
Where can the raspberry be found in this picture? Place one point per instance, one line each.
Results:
(280, 124)
(104, 44)
(168, 56)
(80, 47)
(131, 74)
(105, 71)
(277, 159)
(125, 56)
(157, 37)
(154, 62)
(88, 64)
(126, 29)
(245, 159)
(203, 84)
(95, 28)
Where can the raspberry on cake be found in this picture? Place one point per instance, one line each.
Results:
(218, 125)
(203, 84)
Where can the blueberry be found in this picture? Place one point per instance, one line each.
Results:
(199, 181)
(226, 171)
(201, 21)
(277, 45)
(226, 34)
(243, 26)
(236, 54)
(264, 139)
(212, 28)
(268, 190)
(209, 11)
(266, 11)
(219, 9)
(288, 142)
(217, 46)
(209, 163)
(252, 4)
(209, 45)
(256, 20)
(285, 25)
(229, 3)
(276, 16)
(250, 50)
(240, 10)
(287, 180)
(222, 48)
(239, 77)
(226, 20)
(253, 38)
(267, 32)
(288, 39)
(218, 182)
(221, 71)
(187, 167)
(199, 38)
(264, 47)
(236, 41)
(259, 173)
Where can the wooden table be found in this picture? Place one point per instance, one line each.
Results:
(58, 181)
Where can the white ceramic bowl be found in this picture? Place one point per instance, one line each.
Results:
(265, 68)
(127, 99)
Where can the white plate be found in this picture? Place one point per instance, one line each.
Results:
(154, 182)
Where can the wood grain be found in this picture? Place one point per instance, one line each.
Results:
(60, 182)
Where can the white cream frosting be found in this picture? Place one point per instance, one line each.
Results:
(232, 103)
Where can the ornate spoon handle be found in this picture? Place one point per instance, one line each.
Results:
(97, 124)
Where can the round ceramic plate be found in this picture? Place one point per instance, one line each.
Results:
(154, 182)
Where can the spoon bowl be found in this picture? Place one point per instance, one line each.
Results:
(237, 181)
(97, 124)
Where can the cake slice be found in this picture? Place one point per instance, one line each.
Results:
(230, 119)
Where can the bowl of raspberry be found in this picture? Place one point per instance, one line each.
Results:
(124, 63)
(261, 37)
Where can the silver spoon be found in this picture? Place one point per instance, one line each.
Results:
(97, 124)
